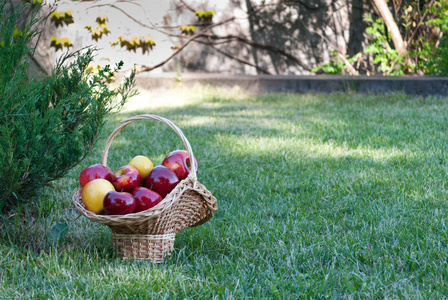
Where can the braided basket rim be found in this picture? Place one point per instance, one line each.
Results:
(185, 185)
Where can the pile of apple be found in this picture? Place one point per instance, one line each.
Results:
(136, 187)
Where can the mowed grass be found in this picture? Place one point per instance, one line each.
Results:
(320, 196)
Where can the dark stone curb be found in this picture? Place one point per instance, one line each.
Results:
(425, 86)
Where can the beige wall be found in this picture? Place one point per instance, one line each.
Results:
(284, 29)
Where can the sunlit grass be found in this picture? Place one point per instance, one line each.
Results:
(339, 196)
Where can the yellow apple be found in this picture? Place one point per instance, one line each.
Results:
(143, 164)
(94, 192)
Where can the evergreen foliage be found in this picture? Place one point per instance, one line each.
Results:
(47, 126)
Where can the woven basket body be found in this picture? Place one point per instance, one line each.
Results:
(150, 234)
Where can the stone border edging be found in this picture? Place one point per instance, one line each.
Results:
(412, 85)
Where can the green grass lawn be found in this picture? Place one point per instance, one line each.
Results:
(340, 195)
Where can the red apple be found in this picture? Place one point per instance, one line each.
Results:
(92, 172)
(126, 179)
(145, 198)
(179, 162)
(161, 180)
(119, 203)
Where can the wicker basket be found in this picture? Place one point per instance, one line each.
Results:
(150, 234)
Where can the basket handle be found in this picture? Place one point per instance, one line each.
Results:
(176, 129)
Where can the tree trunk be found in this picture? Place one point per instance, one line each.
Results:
(392, 27)
(357, 27)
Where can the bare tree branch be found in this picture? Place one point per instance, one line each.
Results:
(243, 61)
(419, 24)
(307, 6)
(232, 38)
(351, 70)
(125, 13)
(194, 37)
(188, 6)
(261, 46)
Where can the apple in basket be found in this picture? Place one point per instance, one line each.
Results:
(126, 179)
(179, 162)
(96, 171)
(145, 198)
(143, 164)
(94, 192)
(161, 180)
(119, 203)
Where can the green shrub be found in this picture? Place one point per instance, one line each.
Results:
(424, 29)
(47, 126)
(433, 57)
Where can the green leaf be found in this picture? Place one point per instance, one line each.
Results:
(57, 233)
